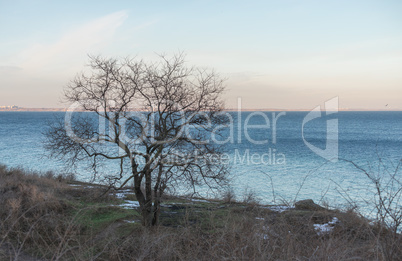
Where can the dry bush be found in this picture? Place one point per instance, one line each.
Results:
(386, 179)
(285, 236)
(35, 218)
(242, 237)
(228, 196)
(250, 197)
(32, 217)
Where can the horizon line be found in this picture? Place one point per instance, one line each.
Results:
(44, 109)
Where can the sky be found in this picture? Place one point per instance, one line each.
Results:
(273, 54)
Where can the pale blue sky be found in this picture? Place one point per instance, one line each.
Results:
(275, 54)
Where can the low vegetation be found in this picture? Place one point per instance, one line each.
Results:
(49, 217)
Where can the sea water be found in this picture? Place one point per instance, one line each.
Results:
(270, 153)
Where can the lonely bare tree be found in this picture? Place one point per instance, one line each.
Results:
(158, 120)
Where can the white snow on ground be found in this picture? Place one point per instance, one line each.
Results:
(264, 235)
(122, 195)
(129, 204)
(326, 228)
(279, 209)
(334, 221)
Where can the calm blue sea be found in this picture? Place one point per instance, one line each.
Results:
(282, 168)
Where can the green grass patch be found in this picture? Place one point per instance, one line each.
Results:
(97, 217)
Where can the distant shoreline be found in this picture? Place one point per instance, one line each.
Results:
(230, 109)
(35, 109)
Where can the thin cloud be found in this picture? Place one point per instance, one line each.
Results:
(74, 43)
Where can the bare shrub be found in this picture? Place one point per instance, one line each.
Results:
(387, 181)
(31, 213)
(229, 196)
(250, 197)
(36, 219)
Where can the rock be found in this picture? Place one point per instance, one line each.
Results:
(307, 204)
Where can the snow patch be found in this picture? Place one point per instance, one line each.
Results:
(264, 235)
(323, 229)
(279, 209)
(129, 204)
(122, 194)
(334, 221)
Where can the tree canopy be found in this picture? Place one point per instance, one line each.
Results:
(158, 120)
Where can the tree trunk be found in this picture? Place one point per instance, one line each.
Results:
(144, 200)
(156, 212)
(147, 210)
(147, 216)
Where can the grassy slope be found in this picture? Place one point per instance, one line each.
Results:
(60, 219)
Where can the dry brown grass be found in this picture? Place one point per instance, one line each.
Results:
(32, 214)
(43, 217)
(244, 238)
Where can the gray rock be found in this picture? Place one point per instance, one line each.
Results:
(307, 204)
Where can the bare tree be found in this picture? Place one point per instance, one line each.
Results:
(157, 120)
